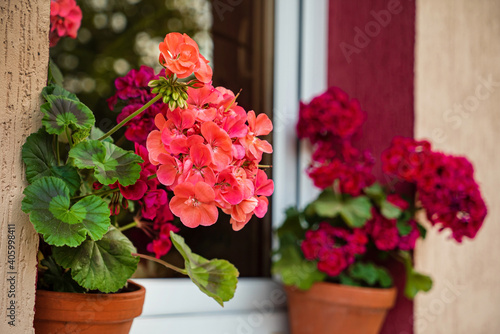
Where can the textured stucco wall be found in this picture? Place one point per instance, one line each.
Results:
(457, 106)
(24, 53)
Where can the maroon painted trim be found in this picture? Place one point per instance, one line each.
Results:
(371, 57)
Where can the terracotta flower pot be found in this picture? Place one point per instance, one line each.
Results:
(87, 313)
(329, 308)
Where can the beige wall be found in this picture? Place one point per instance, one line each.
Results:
(457, 54)
(24, 52)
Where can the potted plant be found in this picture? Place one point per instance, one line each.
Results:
(332, 255)
(197, 152)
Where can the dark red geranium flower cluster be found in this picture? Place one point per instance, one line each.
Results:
(331, 114)
(133, 89)
(405, 158)
(65, 20)
(445, 185)
(329, 121)
(351, 168)
(333, 247)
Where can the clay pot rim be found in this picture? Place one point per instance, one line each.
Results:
(348, 295)
(136, 294)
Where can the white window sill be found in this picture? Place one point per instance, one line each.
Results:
(177, 306)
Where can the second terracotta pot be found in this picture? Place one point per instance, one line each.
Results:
(88, 313)
(329, 308)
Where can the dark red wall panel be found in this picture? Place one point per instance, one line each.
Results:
(371, 57)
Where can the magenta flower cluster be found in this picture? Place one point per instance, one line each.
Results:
(445, 185)
(133, 91)
(329, 121)
(333, 247)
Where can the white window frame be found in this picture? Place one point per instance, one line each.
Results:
(259, 306)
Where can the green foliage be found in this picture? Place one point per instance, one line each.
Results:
(355, 211)
(38, 155)
(55, 278)
(47, 201)
(389, 210)
(415, 281)
(55, 76)
(109, 162)
(57, 90)
(370, 274)
(61, 113)
(103, 265)
(295, 270)
(216, 278)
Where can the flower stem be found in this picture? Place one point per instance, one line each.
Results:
(125, 121)
(128, 226)
(68, 134)
(166, 264)
(56, 144)
(152, 177)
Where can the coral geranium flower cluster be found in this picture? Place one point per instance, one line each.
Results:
(208, 152)
(445, 185)
(209, 155)
(65, 20)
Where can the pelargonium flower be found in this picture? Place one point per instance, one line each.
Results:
(65, 20)
(194, 204)
(382, 231)
(333, 247)
(450, 195)
(350, 168)
(162, 244)
(329, 115)
(405, 158)
(180, 55)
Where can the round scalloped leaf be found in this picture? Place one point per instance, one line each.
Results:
(47, 202)
(103, 265)
(61, 112)
(56, 90)
(110, 163)
(40, 160)
(216, 278)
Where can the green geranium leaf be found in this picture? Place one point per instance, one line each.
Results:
(356, 211)
(328, 204)
(55, 74)
(295, 270)
(47, 201)
(96, 133)
(389, 210)
(103, 265)
(216, 278)
(366, 272)
(57, 90)
(40, 160)
(347, 280)
(61, 112)
(375, 192)
(371, 274)
(404, 228)
(57, 279)
(415, 281)
(422, 230)
(110, 163)
(384, 277)
(291, 225)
